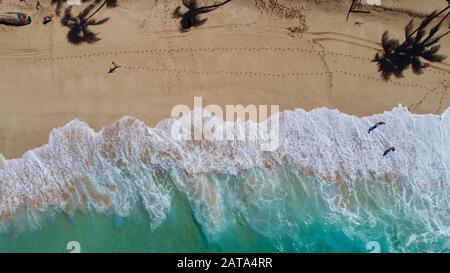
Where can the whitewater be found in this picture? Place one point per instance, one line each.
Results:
(326, 188)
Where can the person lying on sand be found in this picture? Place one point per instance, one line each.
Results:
(392, 149)
(376, 126)
(113, 69)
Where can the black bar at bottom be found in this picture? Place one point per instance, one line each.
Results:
(218, 262)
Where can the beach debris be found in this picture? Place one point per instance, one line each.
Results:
(47, 19)
(190, 18)
(14, 19)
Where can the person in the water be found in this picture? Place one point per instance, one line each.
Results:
(376, 126)
(392, 149)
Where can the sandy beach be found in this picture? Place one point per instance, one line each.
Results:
(296, 54)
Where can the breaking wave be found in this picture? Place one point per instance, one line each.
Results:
(326, 185)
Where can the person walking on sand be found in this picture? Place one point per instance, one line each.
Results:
(113, 69)
(38, 4)
(376, 126)
(392, 149)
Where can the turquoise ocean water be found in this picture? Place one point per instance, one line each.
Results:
(296, 217)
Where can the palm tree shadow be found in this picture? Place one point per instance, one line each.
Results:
(79, 31)
(390, 62)
(59, 6)
(190, 18)
(419, 45)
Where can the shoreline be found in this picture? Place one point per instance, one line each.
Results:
(161, 124)
(241, 56)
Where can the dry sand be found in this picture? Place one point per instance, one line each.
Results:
(297, 54)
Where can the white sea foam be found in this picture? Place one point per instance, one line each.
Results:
(127, 161)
